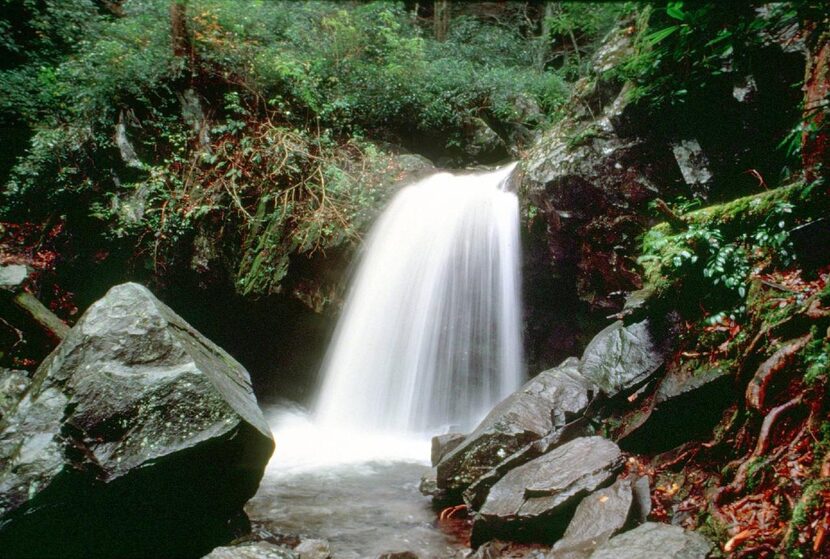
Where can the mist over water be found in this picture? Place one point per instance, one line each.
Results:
(429, 337)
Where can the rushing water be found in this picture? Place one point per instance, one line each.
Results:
(428, 340)
(429, 337)
(359, 492)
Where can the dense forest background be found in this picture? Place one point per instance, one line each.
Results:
(228, 137)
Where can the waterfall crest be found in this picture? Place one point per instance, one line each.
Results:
(429, 337)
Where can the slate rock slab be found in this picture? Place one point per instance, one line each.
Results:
(653, 540)
(536, 500)
(620, 357)
(525, 416)
(137, 437)
(476, 493)
(688, 403)
(599, 516)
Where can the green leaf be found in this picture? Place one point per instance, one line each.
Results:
(675, 10)
(722, 34)
(658, 36)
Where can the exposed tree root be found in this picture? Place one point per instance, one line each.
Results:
(756, 390)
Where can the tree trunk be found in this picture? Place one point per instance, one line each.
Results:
(179, 34)
(544, 37)
(441, 19)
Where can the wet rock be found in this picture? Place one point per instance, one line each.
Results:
(745, 89)
(12, 276)
(590, 185)
(413, 166)
(523, 417)
(620, 357)
(586, 188)
(688, 403)
(399, 555)
(314, 549)
(694, 165)
(429, 485)
(655, 541)
(13, 384)
(476, 494)
(144, 425)
(641, 490)
(444, 444)
(599, 516)
(536, 500)
(482, 142)
(498, 549)
(253, 550)
(125, 146)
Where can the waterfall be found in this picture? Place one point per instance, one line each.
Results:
(429, 337)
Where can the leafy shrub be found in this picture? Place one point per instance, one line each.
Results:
(714, 260)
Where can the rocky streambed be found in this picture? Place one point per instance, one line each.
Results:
(137, 436)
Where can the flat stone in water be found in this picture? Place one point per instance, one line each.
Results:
(523, 417)
(253, 550)
(534, 501)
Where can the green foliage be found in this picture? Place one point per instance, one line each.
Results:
(688, 45)
(755, 472)
(810, 499)
(370, 68)
(290, 94)
(714, 257)
(816, 357)
(574, 29)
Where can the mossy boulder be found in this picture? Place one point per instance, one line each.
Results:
(138, 437)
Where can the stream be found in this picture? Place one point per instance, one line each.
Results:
(358, 492)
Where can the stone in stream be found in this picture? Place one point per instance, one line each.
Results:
(653, 540)
(398, 555)
(599, 516)
(620, 357)
(476, 493)
(535, 501)
(313, 549)
(253, 550)
(137, 438)
(525, 416)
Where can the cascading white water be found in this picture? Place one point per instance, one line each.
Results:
(429, 336)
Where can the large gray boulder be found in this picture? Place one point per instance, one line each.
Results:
(599, 516)
(523, 417)
(621, 357)
(653, 540)
(536, 500)
(138, 437)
